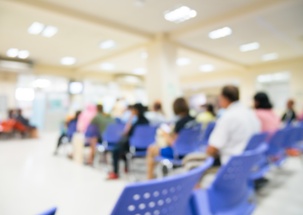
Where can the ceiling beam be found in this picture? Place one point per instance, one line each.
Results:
(207, 54)
(229, 16)
(78, 15)
(114, 54)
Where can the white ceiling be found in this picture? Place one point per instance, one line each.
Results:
(83, 24)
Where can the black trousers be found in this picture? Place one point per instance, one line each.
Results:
(118, 152)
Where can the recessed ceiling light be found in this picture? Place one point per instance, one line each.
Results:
(35, 28)
(182, 61)
(144, 55)
(219, 33)
(107, 44)
(249, 47)
(107, 66)
(139, 71)
(207, 68)
(68, 61)
(270, 56)
(180, 14)
(49, 31)
(23, 54)
(13, 52)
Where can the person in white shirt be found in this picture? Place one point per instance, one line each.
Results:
(232, 131)
(156, 116)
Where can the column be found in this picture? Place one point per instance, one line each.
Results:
(162, 80)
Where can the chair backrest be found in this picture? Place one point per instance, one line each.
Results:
(231, 183)
(144, 136)
(207, 132)
(71, 128)
(165, 196)
(256, 140)
(49, 212)
(276, 142)
(293, 136)
(188, 141)
(113, 132)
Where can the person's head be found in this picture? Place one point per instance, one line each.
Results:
(100, 108)
(261, 101)
(180, 107)
(157, 107)
(290, 104)
(229, 94)
(138, 109)
(10, 113)
(77, 114)
(19, 112)
(210, 108)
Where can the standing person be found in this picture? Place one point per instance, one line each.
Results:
(290, 115)
(270, 122)
(156, 116)
(181, 110)
(95, 130)
(232, 132)
(207, 116)
(122, 147)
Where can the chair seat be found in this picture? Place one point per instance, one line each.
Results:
(202, 196)
(175, 162)
(139, 154)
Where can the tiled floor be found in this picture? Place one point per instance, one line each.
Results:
(32, 180)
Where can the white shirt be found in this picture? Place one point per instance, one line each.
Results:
(233, 131)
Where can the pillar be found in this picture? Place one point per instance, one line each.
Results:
(162, 79)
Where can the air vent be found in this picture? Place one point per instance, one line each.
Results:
(7, 65)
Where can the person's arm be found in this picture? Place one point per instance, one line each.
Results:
(218, 137)
(170, 138)
(212, 151)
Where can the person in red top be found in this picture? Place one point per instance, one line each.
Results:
(270, 122)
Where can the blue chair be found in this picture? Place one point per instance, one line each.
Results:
(186, 143)
(262, 167)
(167, 196)
(256, 140)
(71, 130)
(49, 212)
(230, 193)
(206, 134)
(276, 152)
(143, 137)
(111, 136)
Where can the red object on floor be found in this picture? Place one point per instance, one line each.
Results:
(112, 176)
(293, 152)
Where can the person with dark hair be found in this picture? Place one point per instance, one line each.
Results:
(156, 116)
(270, 122)
(181, 110)
(95, 130)
(207, 115)
(122, 147)
(290, 115)
(231, 133)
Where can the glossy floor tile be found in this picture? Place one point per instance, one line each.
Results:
(32, 180)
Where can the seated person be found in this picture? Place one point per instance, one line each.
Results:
(69, 127)
(270, 122)
(23, 124)
(156, 116)
(232, 132)
(122, 147)
(96, 129)
(290, 114)
(206, 116)
(181, 109)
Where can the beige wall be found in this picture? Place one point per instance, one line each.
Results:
(7, 88)
(247, 79)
